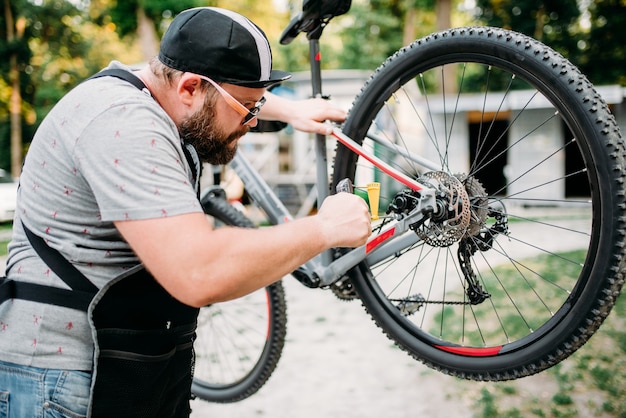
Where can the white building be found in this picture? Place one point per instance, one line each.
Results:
(287, 159)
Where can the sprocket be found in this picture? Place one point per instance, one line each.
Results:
(479, 203)
(463, 208)
(344, 289)
(453, 216)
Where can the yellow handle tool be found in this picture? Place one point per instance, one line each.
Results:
(373, 195)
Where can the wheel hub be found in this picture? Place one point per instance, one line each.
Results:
(452, 218)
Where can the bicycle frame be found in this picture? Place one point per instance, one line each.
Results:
(322, 268)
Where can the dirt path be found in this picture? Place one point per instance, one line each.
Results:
(337, 363)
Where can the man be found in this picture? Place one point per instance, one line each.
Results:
(108, 188)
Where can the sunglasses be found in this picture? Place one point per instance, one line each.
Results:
(248, 114)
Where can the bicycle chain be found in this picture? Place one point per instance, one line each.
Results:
(447, 302)
(432, 302)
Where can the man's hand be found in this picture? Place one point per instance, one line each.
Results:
(309, 115)
(304, 115)
(345, 220)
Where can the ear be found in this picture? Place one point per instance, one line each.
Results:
(189, 90)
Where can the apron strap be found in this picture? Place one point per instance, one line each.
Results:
(10, 289)
(121, 74)
(81, 291)
(59, 264)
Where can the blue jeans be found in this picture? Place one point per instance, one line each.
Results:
(27, 392)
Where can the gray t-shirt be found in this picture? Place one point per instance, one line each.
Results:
(106, 152)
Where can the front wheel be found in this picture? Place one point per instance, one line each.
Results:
(524, 258)
(238, 342)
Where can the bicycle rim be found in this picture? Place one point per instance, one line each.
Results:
(239, 343)
(528, 161)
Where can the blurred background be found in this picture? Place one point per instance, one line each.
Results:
(49, 46)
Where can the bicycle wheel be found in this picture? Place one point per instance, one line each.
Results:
(525, 257)
(238, 342)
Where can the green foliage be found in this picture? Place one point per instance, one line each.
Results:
(603, 52)
(123, 13)
(598, 50)
(378, 24)
(60, 47)
(48, 24)
(373, 30)
(552, 22)
(487, 403)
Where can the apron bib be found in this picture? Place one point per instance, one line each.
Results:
(143, 358)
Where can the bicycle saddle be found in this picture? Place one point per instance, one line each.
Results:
(315, 14)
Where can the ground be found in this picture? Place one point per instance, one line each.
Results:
(337, 363)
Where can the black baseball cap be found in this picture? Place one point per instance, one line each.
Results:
(222, 45)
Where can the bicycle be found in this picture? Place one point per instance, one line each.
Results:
(458, 271)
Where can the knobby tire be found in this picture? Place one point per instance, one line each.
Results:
(553, 206)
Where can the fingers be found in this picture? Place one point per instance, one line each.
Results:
(311, 114)
(346, 220)
(322, 128)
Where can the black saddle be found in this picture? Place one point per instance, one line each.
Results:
(314, 16)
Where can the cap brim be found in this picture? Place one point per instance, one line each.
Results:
(276, 76)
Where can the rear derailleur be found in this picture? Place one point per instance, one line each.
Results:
(482, 241)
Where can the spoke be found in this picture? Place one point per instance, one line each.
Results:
(476, 167)
(477, 164)
(538, 200)
(540, 185)
(527, 171)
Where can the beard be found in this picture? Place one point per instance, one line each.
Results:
(211, 142)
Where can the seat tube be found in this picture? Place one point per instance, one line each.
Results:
(321, 155)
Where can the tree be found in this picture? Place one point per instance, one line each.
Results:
(370, 32)
(598, 49)
(375, 29)
(51, 46)
(15, 49)
(144, 20)
(604, 51)
(553, 22)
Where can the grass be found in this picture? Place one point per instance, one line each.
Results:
(590, 383)
(537, 286)
(3, 243)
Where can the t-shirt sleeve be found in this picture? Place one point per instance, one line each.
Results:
(132, 159)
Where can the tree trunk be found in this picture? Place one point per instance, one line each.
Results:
(538, 35)
(14, 33)
(148, 38)
(409, 33)
(443, 10)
